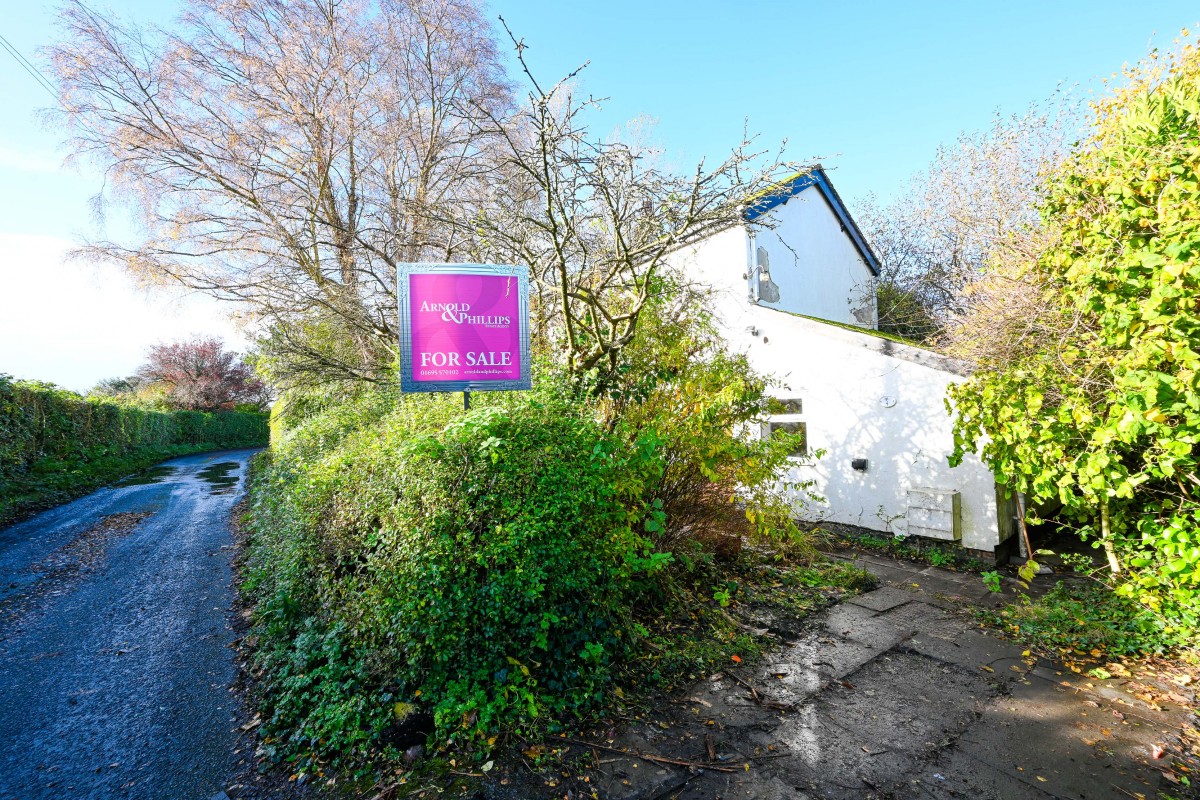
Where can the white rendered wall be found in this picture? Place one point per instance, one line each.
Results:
(719, 262)
(842, 378)
(814, 263)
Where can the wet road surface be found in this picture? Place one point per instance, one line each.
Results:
(115, 663)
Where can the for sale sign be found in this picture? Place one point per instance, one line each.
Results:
(464, 327)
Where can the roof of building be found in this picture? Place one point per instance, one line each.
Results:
(885, 343)
(793, 185)
(849, 326)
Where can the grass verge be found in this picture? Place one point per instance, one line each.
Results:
(53, 482)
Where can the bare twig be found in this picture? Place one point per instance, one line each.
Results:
(765, 702)
(649, 757)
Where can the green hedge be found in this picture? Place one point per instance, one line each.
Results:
(483, 568)
(56, 445)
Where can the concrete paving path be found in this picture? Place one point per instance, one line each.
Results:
(115, 663)
(896, 694)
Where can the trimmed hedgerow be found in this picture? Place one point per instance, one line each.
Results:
(56, 445)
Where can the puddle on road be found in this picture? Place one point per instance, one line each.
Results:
(152, 475)
(218, 477)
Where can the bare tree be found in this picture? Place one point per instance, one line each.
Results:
(969, 217)
(596, 218)
(288, 155)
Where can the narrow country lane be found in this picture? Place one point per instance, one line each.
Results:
(115, 663)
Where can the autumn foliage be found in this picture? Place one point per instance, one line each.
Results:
(199, 374)
(1095, 405)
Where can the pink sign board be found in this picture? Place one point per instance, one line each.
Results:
(464, 328)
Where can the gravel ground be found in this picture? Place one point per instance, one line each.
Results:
(115, 665)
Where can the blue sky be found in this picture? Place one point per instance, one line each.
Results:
(872, 88)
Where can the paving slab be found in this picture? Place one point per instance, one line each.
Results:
(805, 668)
(868, 629)
(882, 599)
(899, 701)
(954, 774)
(829, 760)
(943, 587)
(1074, 751)
(920, 617)
(841, 617)
(747, 784)
(973, 650)
(952, 590)
(896, 694)
(892, 574)
(883, 630)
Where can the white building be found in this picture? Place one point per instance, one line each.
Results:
(794, 288)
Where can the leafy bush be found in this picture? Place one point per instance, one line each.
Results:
(1100, 409)
(489, 567)
(55, 445)
(484, 568)
(500, 569)
(706, 408)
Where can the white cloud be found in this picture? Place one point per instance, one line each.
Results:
(12, 158)
(75, 324)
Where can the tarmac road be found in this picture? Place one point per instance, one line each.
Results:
(115, 663)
